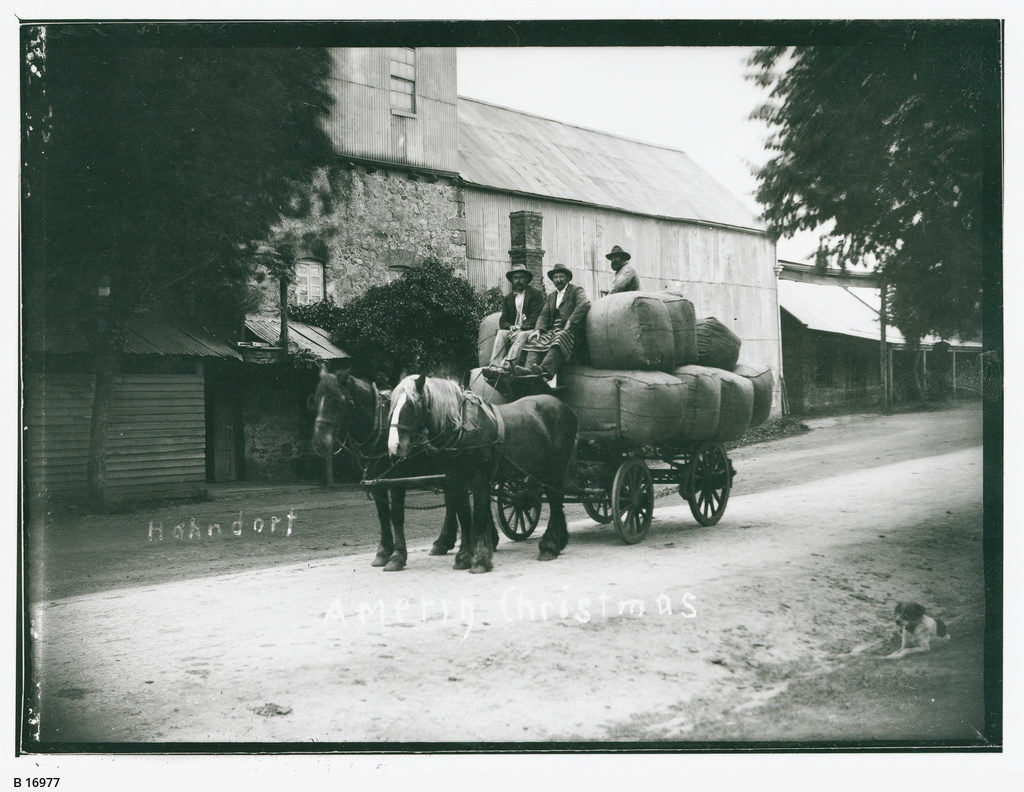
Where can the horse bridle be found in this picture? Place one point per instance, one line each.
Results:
(361, 446)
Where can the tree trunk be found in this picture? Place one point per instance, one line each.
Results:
(914, 381)
(105, 356)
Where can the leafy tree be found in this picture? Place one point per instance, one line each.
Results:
(885, 146)
(424, 322)
(162, 167)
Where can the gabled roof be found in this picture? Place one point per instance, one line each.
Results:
(846, 310)
(509, 150)
(143, 335)
(306, 337)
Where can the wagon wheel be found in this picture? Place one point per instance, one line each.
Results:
(710, 482)
(599, 510)
(518, 508)
(632, 500)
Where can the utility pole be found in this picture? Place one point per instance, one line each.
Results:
(884, 348)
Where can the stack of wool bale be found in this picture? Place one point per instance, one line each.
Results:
(656, 375)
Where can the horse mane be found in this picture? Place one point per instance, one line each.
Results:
(441, 401)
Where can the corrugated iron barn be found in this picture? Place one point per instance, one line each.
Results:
(594, 190)
(432, 175)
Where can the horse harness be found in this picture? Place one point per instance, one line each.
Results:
(467, 432)
(362, 449)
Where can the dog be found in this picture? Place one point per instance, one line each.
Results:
(918, 630)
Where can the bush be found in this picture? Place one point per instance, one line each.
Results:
(424, 322)
(323, 314)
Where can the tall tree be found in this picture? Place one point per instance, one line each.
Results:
(163, 166)
(884, 145)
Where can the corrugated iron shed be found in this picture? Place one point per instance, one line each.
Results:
(847, 310)
(509, 150)
(142, 336)
(306, 337)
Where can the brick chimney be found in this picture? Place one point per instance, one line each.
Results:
(525, 230)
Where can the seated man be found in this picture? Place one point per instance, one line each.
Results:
(559, 327)
(626, 277)
(519, 311)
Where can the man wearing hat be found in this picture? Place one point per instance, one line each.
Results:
(626, 277)
(519, 311)
(559, 326)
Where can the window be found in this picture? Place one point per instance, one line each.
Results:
(403, 79)
(309, 282)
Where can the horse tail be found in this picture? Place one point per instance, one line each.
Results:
(570, 464)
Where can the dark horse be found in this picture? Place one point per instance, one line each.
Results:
(533, 436)
(351, 414)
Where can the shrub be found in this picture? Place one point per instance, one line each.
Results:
(424, 322)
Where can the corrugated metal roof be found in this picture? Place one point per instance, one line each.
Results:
(306, 337)
(847, 310)
(510, 150)
(142, 336)
(148, 337)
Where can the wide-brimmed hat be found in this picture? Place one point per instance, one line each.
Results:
(618, 252)
(559, 268)
(519, 268)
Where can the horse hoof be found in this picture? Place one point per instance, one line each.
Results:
(547, 555)
(479, 569)
(394, 565)
(461, 563)
(379, 561)
(437, 549)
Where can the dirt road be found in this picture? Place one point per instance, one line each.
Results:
(770, 626)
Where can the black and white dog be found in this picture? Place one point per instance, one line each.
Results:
(919, 630)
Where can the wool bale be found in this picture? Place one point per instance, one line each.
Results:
(684, 326)
(638, 407)
(702, 399)
(736, 406)
(485, 338)
(717, 345)
(482, 387)
(764, 385)
(630, 331)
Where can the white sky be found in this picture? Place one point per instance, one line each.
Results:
(693, 99)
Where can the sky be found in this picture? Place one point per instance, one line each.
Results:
(693, 99)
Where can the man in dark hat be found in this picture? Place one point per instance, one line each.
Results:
(519, 311)
(626, 277)
(559, 326)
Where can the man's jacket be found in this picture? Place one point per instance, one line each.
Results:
(572, 311)
(533, 302)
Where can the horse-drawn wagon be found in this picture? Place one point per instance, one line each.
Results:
(656, 410)
(615, 480)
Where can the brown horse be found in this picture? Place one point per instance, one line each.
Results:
(477, 445)
(351, 415)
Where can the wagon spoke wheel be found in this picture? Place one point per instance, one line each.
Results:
(632, 501)
(599, 510)
(710, 482)
(518, 503)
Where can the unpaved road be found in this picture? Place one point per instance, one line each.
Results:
(770, 626)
